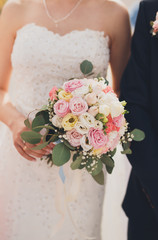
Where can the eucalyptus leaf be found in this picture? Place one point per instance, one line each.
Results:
(127, 151)
(109, 163)
(112, 153)
(27, 123)
(31, 137)
(37, 122)
(76, 164)
(99, 178)
(86, 67)
(139, 135)
(98, 168)
(44, 114)
(60, 154)
(109, 169)
(69, 145)
(41, 146)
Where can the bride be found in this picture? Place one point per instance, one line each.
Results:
(42, 44)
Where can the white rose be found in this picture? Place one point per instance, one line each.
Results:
(112, 136)
(84, 143)
(81, 91)
(93, 111)
(81, 128)
(56, 121)
(104, 109)
(98, 124)
(87, 120)
(91, 98)
(116, 109)
(106, 98)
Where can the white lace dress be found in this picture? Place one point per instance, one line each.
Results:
(32, 199)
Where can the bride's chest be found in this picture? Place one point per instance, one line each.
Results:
(37, 47)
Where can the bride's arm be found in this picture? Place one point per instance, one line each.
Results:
(8, 113)
(120, 43)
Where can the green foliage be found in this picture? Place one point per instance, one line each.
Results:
(61, 154)
(44, 114)
(86, 67)
(41, 146)
(27, 123)
(98, 168)
(38, 123)
(76, 164)
(109, 163)
(69, 145)
(31, 137)
(99, 178)
(138, 135)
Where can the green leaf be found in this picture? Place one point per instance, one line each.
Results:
(38, 122)
(86, 67)
(112, 153)
(99, 178)
(76, 164)
(127, 151)
(138, 135)
(109, 163)
(31, 137)
(44, 114)
(69, 145)
(61, 154)
(98, 168)
(27, 123)
(41, 146)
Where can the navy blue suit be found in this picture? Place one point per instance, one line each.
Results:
(139, 87)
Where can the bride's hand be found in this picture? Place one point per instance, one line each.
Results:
(25, 148)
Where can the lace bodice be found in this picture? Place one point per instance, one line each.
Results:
(42, 59)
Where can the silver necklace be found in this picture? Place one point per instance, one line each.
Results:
(57, 21)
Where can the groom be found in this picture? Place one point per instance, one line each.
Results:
(139, 87)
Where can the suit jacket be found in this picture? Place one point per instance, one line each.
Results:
(139, 87)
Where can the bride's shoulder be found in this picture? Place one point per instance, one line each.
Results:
(13, 14)
(115, 8)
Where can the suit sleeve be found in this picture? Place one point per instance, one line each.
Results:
(135, 89)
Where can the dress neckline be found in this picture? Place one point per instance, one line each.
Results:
(101, 33)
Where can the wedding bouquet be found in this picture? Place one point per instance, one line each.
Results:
(85, 120)
(154, 24)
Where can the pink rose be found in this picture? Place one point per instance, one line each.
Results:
(97, 138)
(78, 105)
(74, 137)
(71, 85)
(53, 94)
(91, 98)
(118, 121)
(61, 108)
(93, 110)
(155, 26)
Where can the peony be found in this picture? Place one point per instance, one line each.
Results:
(104, 109)
(93, 111)
(91, 98)
(71, 85)
(64, 95)
(87, 120)
(78, 105)
(56, 121)
(85, 143)
(110, 125)
(53, 93)
(61, 108)
(81, 91)
(69, 121)
(74, 137)
(97, 138)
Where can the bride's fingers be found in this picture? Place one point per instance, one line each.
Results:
(41, 152)
(27, 149)
(23, 153)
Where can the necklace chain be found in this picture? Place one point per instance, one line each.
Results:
(56, 21)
